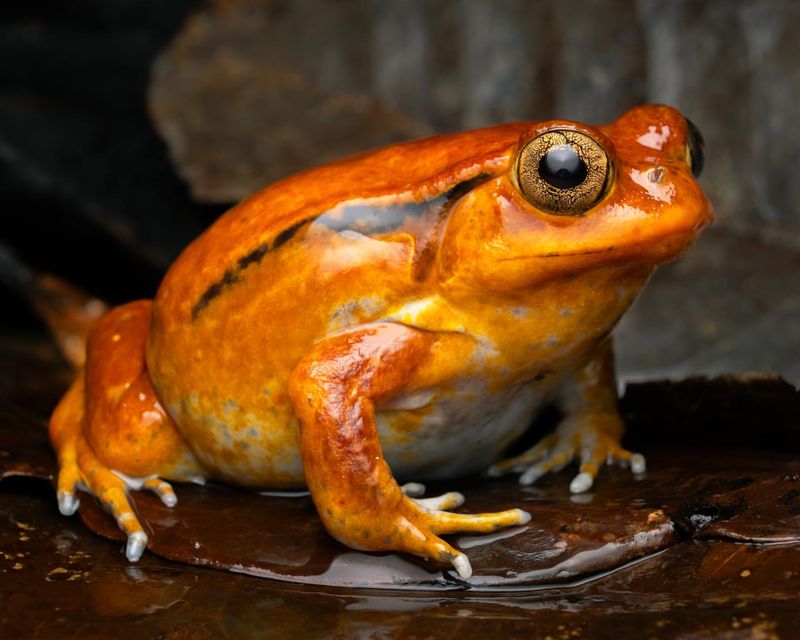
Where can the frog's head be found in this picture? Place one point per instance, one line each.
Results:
(574, 197)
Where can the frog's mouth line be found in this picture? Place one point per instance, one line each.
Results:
(573, 254)
(693, 232)
(588, 252)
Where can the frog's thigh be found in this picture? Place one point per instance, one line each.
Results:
(109, 430)
(334, 390)
(126, 426)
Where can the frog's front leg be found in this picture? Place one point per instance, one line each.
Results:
(334, 391)
(591, 430)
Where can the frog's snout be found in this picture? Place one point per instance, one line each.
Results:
(695, 148)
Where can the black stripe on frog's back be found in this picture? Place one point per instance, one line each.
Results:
(367, 219)
(375, 219)
(233, 274)
(464, 187)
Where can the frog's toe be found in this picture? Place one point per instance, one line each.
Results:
(152, 483)
(624, 458)
(162, 489)
(69, 481)
(413, 489)
(462, 566)
(599, 450)
(443, 522)
(554, 461)
(449, 500)
(68, 503)
(582, 482)
(520, 463)
(137, 543)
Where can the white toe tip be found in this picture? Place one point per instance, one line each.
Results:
(530, 476)
(462, 566)
(456, 499)
(494, 472)
(580, 483)
(413, 489)
(638, 464)
(169, 499)
(524, 516)
(68, 504)
(137, 543)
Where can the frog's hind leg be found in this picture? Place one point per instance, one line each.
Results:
(111, 433)
(591, 430)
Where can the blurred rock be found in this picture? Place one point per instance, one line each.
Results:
(601, 60)
(506, 62)
(773, 50)
(253, 91)
(732, 303)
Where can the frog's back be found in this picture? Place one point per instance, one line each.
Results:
(373, 192)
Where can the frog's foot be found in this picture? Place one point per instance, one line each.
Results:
(574, 439)
(415, 528)
(83, 471)
(415, 525)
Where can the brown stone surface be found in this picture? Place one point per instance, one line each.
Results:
(58, 581)
(569, 539)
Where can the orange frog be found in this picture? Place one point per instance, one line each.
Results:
(403, 314)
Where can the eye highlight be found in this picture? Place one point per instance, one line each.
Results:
(563, 172)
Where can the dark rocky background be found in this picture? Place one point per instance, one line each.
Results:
(127, 126)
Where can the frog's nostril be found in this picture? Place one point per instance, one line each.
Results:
(696, 148)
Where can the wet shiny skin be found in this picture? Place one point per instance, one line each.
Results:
(407, 310)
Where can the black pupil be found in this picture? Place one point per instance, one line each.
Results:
(562, 167)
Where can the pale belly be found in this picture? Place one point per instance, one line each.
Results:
(435, 434)
(462, 434)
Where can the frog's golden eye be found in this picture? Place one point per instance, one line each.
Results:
(563, 171)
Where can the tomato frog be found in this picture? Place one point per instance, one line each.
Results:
(396, 316)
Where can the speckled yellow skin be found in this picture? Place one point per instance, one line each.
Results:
(402, 313)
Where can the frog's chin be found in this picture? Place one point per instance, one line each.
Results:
(662, 249)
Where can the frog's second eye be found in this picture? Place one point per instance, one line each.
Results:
(562, 172)
(695, 149)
